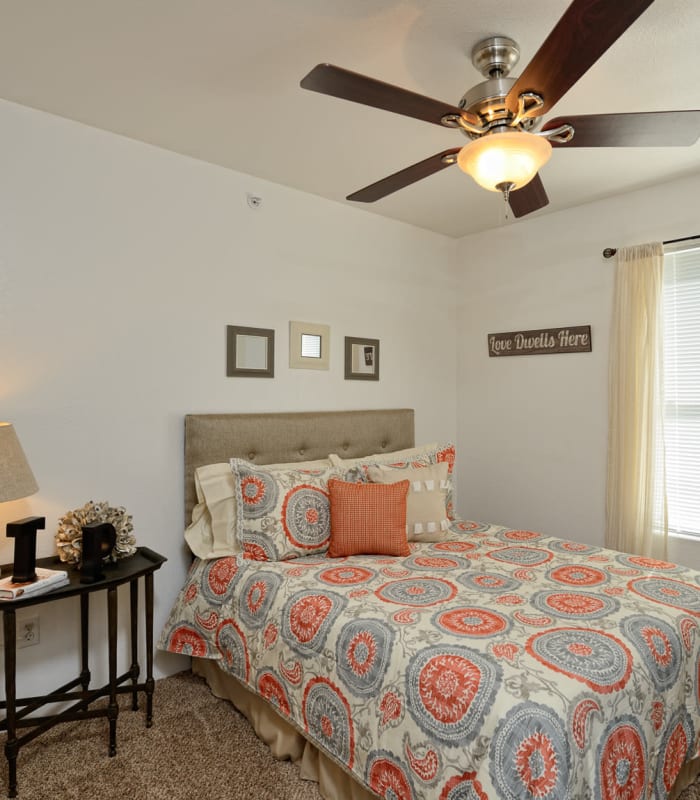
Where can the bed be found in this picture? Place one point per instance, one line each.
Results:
(486, 664)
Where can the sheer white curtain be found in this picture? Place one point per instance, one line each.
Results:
(636, 508)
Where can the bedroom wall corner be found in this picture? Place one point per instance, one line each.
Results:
(535, 427)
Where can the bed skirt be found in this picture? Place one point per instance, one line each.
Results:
(283, 739)
(287, 743)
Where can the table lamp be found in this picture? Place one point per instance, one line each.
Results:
(16, 482)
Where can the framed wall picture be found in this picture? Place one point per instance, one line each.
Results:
(309, 345)
(361, 359)
(250, 352)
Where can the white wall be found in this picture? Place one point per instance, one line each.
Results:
(120, 267)
(533, 429)
(122, 264)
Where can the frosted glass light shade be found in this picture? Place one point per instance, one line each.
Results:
(509, 158)
(16, 478)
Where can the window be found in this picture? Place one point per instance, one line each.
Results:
(681, 310)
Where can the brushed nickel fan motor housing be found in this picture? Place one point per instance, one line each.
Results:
(493, 58)
(496, 56)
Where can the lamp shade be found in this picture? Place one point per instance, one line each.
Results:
(511, 158)
(16, 478)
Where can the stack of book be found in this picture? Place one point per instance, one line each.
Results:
(46, 581)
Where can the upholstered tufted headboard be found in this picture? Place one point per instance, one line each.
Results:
(289, 437)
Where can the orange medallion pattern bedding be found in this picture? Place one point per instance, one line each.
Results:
(497, 664)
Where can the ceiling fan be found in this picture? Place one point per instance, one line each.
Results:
(501, 115)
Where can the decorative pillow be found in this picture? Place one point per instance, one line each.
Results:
(368, 518)
(283, 510)
(426, 505)
(213, 532)
(397, 457)
(409, 459)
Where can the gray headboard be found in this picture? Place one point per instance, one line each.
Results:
(289, 437)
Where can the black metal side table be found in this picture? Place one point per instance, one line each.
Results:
(142, 564)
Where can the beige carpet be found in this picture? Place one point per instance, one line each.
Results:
(198, 748)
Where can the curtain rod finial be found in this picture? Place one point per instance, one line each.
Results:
(609, 252)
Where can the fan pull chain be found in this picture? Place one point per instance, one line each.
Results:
(506, 187)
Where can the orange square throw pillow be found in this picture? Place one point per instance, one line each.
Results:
(368, 518)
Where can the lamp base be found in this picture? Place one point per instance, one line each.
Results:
(23, 531)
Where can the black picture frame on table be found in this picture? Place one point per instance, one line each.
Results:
(361, 359)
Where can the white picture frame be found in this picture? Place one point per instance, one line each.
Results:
(309, 345)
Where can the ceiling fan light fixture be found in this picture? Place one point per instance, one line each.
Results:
(511, 157)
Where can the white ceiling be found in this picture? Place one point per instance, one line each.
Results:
(219, 80)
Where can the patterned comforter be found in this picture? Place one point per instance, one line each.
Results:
(496, 664)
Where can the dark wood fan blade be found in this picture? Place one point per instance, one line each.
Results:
(404, 177)
(528, 199)
(339, 82)
(644, 129)
(578, 40)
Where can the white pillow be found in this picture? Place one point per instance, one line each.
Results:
(396, 456)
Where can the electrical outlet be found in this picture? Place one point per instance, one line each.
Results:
(28, 632)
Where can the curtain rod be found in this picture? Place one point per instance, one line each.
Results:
(609, 252)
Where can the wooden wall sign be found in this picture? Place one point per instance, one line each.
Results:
(541, 342)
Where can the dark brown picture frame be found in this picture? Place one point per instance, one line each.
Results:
(266, 369)
(361, 359)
